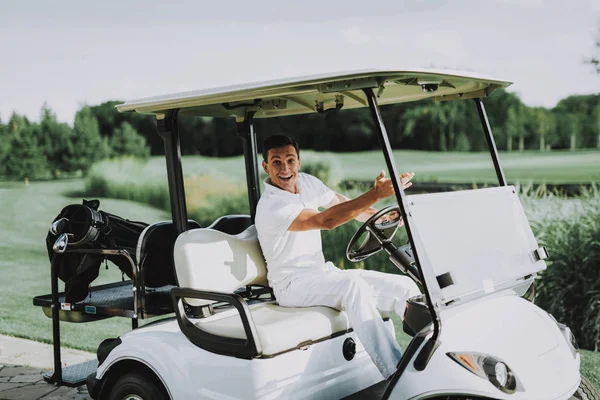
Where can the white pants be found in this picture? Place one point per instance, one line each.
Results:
(360, 294)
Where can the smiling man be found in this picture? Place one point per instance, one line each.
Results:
(289, 226)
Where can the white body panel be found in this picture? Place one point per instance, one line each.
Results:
(189, 372)
(512, 330)
(503, 325)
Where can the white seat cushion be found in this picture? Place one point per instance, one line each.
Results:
(279, 328)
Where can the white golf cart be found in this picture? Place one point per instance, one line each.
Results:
(472, 252)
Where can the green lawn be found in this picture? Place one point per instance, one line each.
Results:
(536, 167)
(27, 211)
(552, 167)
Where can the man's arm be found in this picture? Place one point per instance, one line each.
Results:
(364, 216)
(340, 198)
(344, 211)
(335, 216)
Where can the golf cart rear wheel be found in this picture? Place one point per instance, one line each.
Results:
(137, 386)
(585, 391)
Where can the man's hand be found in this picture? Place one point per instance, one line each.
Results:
(384, 188)
(405, 179)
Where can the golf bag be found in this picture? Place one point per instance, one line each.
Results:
(90, 228)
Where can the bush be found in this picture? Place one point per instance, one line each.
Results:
(125, 179)
(207, 196)
(216, 206)
(569, 288)
(325, 167)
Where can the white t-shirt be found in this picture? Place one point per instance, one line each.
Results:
(288, 252)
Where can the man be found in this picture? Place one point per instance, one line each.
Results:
(288, 222)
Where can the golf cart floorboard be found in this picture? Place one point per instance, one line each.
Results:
(375, 391)
(74, 375)
(109, 300)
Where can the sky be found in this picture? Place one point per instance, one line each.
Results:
(68, 53)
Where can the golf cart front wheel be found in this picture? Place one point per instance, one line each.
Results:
(585, 391)
(137, 386)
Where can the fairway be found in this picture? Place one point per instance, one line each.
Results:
(551, 167)
(557, 167)
(27, 213)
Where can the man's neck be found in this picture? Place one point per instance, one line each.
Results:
(296, 190)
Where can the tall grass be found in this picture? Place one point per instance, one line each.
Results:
(128, 179)
(570, 287)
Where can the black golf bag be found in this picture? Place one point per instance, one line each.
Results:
(90, 228)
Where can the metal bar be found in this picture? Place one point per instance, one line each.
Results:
(487, 130)
(400, 195)
(245, 130)
(167, 129)
(249, 347)
(57, 376)
(139, 291)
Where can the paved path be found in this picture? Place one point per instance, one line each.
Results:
(23, 364)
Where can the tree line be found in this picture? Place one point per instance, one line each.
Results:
(49, 148)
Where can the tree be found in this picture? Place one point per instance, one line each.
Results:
(4, 144)
(24, 158)
(513, 126)
(571, 127)
(87, 144)
(597, 123)
(595, 60)
(55, 140)
(427, 124)
(126, 141)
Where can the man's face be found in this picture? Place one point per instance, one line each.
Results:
(282, 166)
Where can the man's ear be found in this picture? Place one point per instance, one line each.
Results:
(264, 165)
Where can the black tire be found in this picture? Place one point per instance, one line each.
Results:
(137, 386)
(586, 391)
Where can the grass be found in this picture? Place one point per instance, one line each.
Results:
(27, 211)
(550, 167)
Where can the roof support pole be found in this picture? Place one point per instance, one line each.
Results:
(167, 129)
(401, 197)
(487, 130)
(245, 129)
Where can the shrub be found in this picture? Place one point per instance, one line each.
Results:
(216, 206)
(569, 288)
(125, 179)
(324, 166)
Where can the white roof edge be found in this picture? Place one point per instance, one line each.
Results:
(224, 91)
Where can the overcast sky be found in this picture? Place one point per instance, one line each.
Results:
(69, 53)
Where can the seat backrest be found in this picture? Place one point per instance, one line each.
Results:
(231, 224)
(154, 253)
(207, 259)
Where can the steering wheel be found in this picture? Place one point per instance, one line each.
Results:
(376, 230)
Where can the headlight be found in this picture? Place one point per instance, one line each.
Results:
(488, 368)
(501, 373)
(568, 335)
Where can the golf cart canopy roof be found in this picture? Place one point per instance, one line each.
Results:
(320, 93)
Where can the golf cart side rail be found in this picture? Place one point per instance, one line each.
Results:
(243, 348)
(56, 306)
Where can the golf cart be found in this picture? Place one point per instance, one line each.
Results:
(474, 334)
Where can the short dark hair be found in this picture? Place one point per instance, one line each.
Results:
(277, 141)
